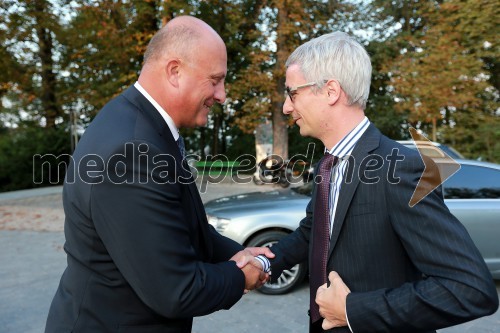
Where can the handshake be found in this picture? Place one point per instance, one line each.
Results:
(255, 277)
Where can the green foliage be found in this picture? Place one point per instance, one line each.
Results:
(380, 109)
(19, 149)
(241, 144)
(299, 145)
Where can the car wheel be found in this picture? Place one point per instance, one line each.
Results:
(289, 278)
(257, 181)
(285, 178)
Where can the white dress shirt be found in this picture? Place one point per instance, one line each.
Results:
(164, 114)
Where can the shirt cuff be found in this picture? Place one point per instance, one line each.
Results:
(266, 265)
(347, 319)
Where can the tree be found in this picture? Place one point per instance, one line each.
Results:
(476, 130)
(56, 62)
(29, 33)
(105, 43)
(283, 26)
(380, 107)
(441, 78)
(232, 20)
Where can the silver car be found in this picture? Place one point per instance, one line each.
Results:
(262, 218)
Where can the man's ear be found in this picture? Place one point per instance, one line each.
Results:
(172, 71)
(334, 91)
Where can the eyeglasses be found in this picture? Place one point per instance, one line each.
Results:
(292, 91)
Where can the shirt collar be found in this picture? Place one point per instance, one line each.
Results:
(163, 113)
(345, 146)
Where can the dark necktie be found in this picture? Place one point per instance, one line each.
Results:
(182, 148)
(321, 231)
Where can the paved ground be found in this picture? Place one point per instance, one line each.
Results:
(32, 260)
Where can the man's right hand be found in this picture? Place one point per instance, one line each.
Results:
(254, 277)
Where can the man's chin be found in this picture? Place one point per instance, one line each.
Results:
(197, 122)
(303, 132)
(202, 118)
(201, 122)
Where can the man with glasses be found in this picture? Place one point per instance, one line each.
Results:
(390, 267)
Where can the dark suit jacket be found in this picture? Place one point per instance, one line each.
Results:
(141, 254)
(408, 269)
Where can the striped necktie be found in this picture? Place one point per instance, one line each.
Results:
(321, 231)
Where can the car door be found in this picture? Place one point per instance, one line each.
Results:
(473, 196)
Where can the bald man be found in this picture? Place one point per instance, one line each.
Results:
(141, 254)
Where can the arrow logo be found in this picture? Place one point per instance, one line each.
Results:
(435, 173)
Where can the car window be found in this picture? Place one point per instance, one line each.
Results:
(433, 151)
(451, 152)
(473, 182)
(467, 183)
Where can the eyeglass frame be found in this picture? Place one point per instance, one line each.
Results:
(289, 91)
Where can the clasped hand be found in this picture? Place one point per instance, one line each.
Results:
(255, 277)
(332, 302)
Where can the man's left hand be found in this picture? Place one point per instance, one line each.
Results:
(331, 301)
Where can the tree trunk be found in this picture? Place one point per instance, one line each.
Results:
(217, 117)
(48, 94)
(280, 130)
(434, 130)
(280, 126)
(202, 142)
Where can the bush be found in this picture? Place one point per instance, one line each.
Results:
(20, 145)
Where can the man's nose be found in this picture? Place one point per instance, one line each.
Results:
(287, 106)
(220, 93)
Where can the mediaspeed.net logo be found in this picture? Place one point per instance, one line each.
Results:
(435, 173)
(136, 165)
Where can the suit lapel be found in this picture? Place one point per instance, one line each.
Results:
(202, 217)
(194, 203)
(154, 119)
(367, 143)
(151, 115)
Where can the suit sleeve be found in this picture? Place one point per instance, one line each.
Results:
(293, 248)
(224, 247)
(146, 234)
(456, 285)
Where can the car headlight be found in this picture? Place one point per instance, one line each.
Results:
(218, 223)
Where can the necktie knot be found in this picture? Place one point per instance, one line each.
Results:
(325, 166)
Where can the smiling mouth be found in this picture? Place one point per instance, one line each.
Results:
(208, 105)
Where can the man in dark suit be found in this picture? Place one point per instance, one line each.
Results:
(391, 267)
(141, 255)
